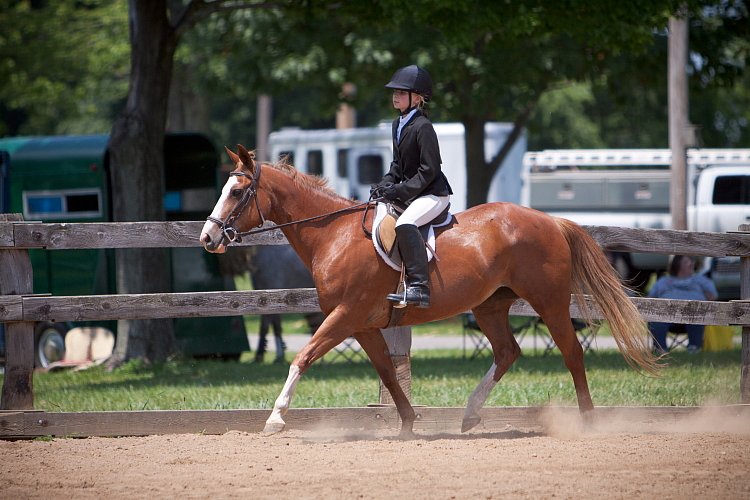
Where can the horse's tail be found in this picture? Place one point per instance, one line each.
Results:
(593, 274)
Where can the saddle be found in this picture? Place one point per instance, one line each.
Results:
(384, 233)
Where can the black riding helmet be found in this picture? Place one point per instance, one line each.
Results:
(414, 79)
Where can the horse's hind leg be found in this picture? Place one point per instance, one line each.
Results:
(556, 315)
(492, 318)
(374, 344)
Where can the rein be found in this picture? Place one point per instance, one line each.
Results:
(251, 194)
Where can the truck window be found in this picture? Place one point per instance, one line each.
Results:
(369, 169)
(342, 157)
(315, 162)
(732, 190)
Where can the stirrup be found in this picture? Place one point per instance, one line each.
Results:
(402, 298)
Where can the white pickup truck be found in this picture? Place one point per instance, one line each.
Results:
(630, 188)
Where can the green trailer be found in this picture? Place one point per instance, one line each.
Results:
(67, 179)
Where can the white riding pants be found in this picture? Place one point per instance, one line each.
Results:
(423, 209)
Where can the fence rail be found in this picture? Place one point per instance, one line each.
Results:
(303, 300)
(60, 236)
(20, 308)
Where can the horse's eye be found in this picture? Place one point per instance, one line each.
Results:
(236, 193)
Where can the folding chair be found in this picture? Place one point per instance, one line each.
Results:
(586, 335)
(677, 336)
(349, 350)
(478, 342)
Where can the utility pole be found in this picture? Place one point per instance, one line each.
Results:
(346, 115)
(678, 116)
(263, 127)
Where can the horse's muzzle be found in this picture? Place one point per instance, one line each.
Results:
(213, 245)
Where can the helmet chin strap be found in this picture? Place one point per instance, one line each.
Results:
(410, 108)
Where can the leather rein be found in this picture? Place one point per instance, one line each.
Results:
(251, 195)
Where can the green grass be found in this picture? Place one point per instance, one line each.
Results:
(440, 378)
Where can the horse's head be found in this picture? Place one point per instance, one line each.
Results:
(232, 214)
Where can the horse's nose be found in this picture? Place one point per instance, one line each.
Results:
(205, 239)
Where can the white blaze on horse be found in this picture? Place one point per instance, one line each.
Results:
(492, 255)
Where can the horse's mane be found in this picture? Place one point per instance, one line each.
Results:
(304, 180)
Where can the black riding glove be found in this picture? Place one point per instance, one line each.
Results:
(390, 191)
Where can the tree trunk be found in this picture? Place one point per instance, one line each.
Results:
(478, 173)
(136, 149)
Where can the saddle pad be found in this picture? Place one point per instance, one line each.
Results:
(394, 261)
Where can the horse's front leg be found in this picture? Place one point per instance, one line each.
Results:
(373, 342)
(330, 334)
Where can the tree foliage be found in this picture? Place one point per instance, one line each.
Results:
(64, 65)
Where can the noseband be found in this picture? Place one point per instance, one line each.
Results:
(250, 194)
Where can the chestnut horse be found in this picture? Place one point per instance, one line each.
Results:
(492, 255)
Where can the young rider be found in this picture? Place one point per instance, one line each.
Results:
(415, 178)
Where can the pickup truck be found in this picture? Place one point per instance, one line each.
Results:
(630, 188)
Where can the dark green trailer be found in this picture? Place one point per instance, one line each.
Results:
(67, 179)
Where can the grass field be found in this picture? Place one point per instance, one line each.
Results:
(440, 378)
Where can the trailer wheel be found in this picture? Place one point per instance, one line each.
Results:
(49, 342)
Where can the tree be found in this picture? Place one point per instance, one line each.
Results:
(51, 86)
(136, 159)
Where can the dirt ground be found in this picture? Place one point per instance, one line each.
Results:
(706, 456)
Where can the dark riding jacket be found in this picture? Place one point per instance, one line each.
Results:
(415, 168)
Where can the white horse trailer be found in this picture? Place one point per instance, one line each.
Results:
(353, 159)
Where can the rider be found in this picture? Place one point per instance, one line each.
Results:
(415, 178)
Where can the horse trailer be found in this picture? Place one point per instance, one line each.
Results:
(67, 179)
(353, 159)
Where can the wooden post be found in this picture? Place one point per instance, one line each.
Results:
(16, 279)
(745, 295)
(678, 116)
(399, 346)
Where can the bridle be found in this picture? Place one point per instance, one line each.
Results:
(251, 194)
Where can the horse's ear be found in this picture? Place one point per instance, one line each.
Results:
(232, 156)
(247, 157)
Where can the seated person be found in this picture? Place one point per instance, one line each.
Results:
(683, 283)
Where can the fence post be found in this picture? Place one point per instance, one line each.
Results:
(745, 295)
(399, 347)
(16, 279)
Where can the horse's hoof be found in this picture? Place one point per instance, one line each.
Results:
(469, 423)
(272, 428)
(406, 434)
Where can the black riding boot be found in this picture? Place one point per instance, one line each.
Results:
(414, 254)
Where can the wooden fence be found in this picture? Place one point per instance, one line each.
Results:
(20, 308)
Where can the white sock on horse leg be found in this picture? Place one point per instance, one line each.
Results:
(481, 393)
(285, 398)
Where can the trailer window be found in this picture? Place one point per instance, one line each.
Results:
(287, 157)
(369, 169)
(342, 157)
(315, 162)
(70, 204)
(732, 190)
